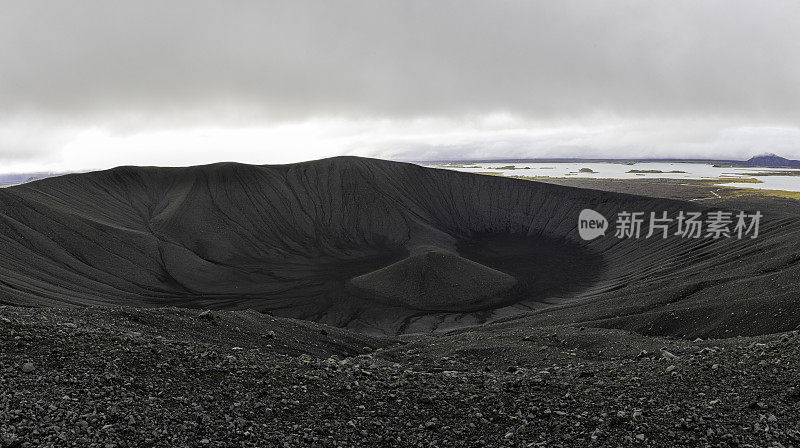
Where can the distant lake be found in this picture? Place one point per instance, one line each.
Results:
(628, 170)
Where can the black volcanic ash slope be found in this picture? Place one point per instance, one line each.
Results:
(380, 247)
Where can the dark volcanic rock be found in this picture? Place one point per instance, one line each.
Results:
(378, 246)
(168, 379)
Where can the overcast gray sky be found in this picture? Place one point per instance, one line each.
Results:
(94, 84)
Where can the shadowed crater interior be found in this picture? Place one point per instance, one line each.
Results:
(545, 268)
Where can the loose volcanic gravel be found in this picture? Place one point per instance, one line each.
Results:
(121, 377)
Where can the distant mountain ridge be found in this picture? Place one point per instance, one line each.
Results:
(21, 178)
(762, 160)
(772, 161)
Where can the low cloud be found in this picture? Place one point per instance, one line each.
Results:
(607, 78)
(410, 140)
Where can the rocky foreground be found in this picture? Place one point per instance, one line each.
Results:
(122, 377)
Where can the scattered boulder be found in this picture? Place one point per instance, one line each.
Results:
(666, 354)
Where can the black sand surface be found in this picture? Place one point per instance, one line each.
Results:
(378, 246)
(357, 302)
(125, 377)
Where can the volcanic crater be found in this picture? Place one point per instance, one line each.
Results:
(379, 247)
